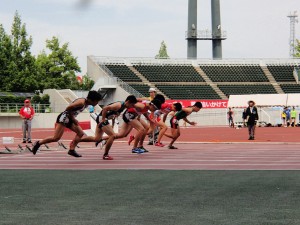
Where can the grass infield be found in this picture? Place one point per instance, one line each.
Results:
(142, 197)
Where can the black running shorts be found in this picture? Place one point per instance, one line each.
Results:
(174, 122)
(128, 116)
(64, 119)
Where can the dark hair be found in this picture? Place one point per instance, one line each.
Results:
(198, 105)
(160, 97)
(131, 98)
(94, 96)
(157, 103)
(177, 106)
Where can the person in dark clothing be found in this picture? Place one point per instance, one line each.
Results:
(230, 118)
(252, 118)
(244, 117)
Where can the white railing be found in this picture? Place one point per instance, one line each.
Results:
(121, 83)
(296, 75)
(179, 61)
(15, 107)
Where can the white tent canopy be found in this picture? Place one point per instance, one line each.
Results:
(264, 100)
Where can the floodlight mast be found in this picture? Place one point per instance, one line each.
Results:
(293, 16)
(216, 29)
(216, 35)
(192, 30)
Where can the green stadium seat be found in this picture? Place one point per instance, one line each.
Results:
(290, 88)
(247, 89)
(234, 73)
(141, 88)
(188, 91)
(169, 73)
(282, 73)
(124, 73)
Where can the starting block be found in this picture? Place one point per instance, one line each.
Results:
(8, 140)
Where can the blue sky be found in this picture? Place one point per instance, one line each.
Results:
(135, 28)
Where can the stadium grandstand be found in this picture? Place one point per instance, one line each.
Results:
(202, 79)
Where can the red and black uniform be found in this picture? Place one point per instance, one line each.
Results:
(132, 113)
(110, 115)
(178, 116)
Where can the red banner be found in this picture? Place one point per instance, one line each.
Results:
(207, 104)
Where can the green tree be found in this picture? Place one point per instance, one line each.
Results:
(58, 68)
(297, 48)
(5, 57)
(163, 53)
(87, 83)
(21, 66)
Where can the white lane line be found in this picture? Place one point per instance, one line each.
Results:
(159, 164)
(123, 160)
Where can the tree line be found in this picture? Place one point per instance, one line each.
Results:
(21, 71)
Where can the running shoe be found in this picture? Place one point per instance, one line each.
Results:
(150, 143)
(35, 147)
(74, 153)
(131, 138)
(137, 150)
(159, 144)
(98, 142)
(29, 141)
(107, 157)
(102, 144)
(172, 147)
(145, 150)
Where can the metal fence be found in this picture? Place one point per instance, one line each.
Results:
(15, 108)
(121, 83)
(203, 61)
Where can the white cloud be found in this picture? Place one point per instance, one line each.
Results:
(135, 28)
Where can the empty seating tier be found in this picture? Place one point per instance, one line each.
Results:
(141, 88)
(169, 73)
(290, 88)
(247, 89)
(188, 91)
(124, 73)
(233, 73)
(282, 73)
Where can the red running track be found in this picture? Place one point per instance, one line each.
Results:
(187, 157)
(195, 134)
(274, 149)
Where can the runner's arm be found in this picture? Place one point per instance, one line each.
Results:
(189, 122)
(113, 107)
(77, 104)
(148, 118)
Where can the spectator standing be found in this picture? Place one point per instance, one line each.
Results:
(244, 117)
(252, 118)
(288, 116)
(152, 140)
(230, 118)
(293, 117)
(27, 114)
(283, 117)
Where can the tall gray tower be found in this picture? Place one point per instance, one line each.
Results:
(192, 30)
(216, 35)
(293, 20)
(216, 29)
